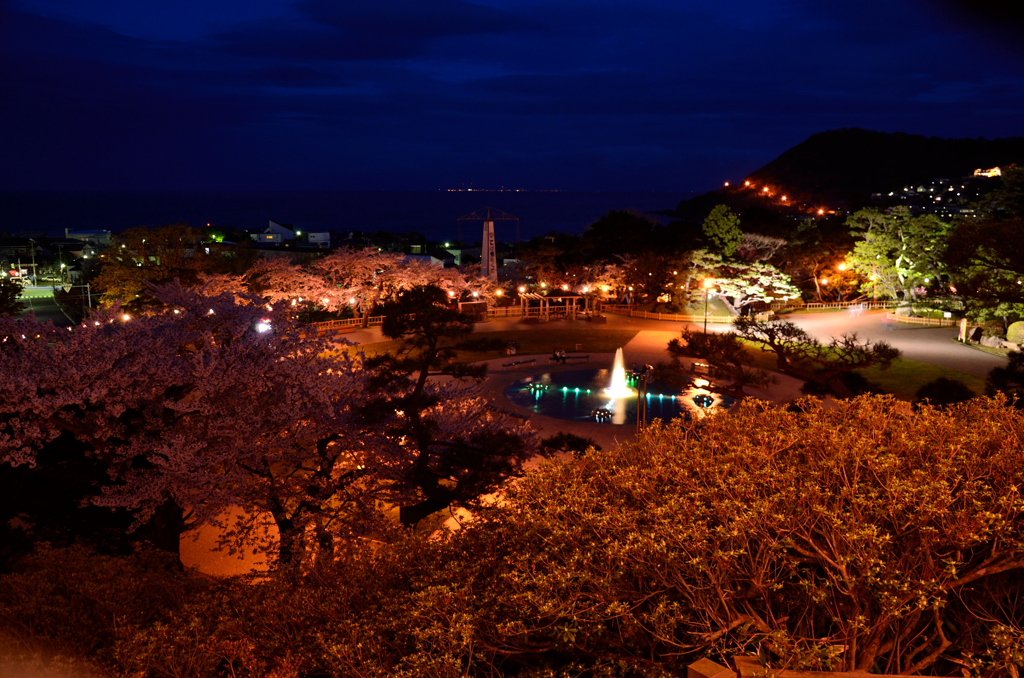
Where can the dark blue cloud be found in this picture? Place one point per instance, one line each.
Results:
(549, 94)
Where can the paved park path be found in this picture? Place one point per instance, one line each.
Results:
(933, 345)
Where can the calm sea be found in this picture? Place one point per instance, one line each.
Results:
(434, 214)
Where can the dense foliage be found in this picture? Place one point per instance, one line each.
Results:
(220, 402)
(866, 535)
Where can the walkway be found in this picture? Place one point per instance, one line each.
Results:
(933, 345)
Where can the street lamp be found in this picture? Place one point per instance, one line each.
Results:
(707, 288)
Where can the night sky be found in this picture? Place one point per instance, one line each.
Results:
(626, 95)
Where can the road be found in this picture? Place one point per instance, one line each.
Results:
(933, 345)
(39, 300)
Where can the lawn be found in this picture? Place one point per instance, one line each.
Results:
(530, 342)
(902, 379)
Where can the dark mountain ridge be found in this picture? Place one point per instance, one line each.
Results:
(845, 166)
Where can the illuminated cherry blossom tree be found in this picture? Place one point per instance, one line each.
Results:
(213, 404)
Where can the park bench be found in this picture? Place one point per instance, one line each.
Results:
(517, 363)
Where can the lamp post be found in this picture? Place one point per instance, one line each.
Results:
(707, 288)
(641, 397)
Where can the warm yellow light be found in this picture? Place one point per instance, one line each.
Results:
(785, 198)
(585, 290)
(727, 183)
(604, 288)
(450, 293)
(746, 183)
(126, 317)
(708, 284)
(872, 277)
(764, 190)
(497, 293)
(522, 288)
(476, 294)
(701, 383)
(543, 284)
(824, 281)
(565, 288)
(821, 211)
(841, 267)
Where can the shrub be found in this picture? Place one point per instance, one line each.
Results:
(1015, 332)
(942, 391)
(1008, 380)
(866, 535)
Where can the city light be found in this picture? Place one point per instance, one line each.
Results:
(522, 288)
(263, 325)
(497, 293)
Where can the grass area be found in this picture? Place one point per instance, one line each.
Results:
(905, 377)
(902, 379)
(529, 342)
(1001, 352)
(715, 307)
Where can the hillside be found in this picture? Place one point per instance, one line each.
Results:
(847, 165)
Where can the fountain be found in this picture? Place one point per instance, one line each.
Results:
(618, 387)
(599, 397)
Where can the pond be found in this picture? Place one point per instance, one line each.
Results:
(579, 395)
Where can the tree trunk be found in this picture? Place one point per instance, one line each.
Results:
(165, 528)
(411, 515)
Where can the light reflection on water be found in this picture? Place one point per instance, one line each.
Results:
(578, 395)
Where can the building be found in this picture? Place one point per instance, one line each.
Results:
(99, 238)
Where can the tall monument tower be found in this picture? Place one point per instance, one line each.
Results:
(488, 252)
(488, 257)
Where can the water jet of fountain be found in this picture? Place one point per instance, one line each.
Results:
(618, 387)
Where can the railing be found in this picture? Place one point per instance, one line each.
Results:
(505, 312)
(932, 322)
(619, 309)
(333, 325)
(785, 305)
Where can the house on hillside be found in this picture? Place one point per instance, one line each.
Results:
(274, 234)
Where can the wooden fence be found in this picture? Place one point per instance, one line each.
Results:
(866, 305)
(351, 324)
(619, 309)
(932, 322)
